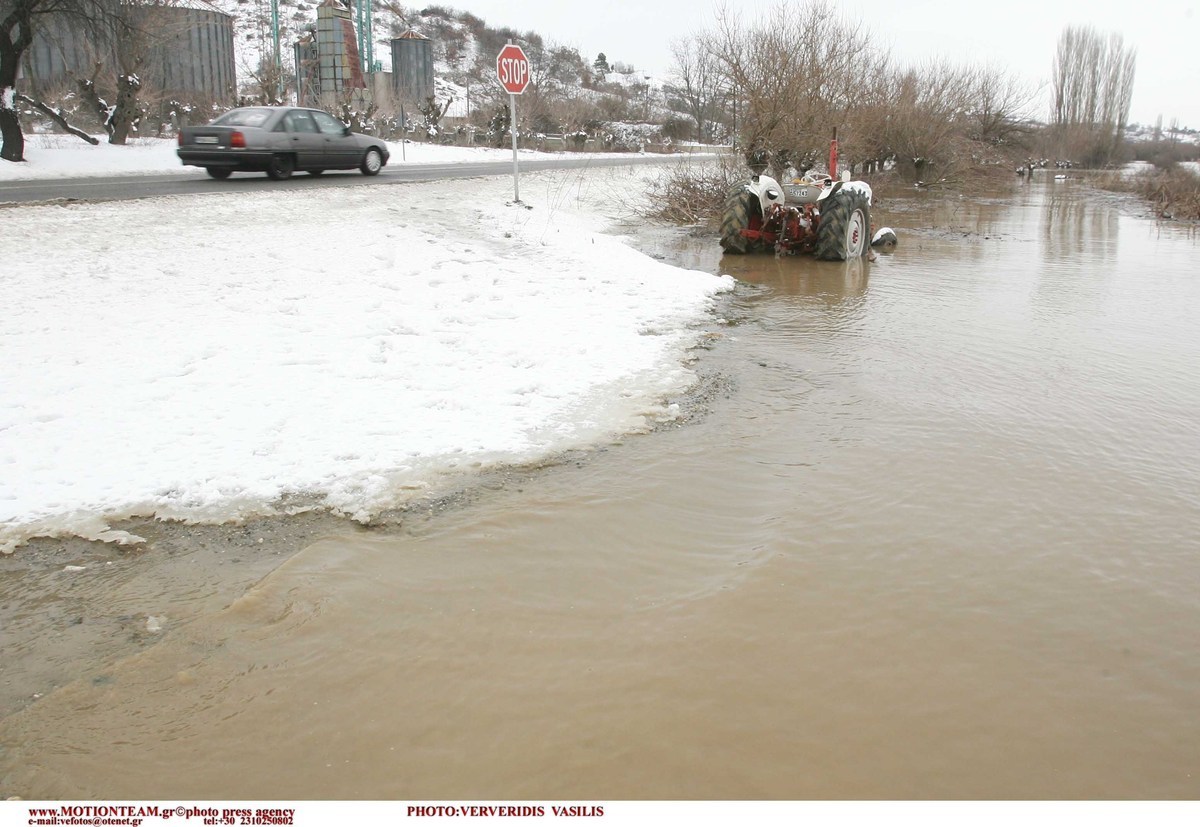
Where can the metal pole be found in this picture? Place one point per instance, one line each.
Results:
(512, 114)
(299, 75)
(833, 155)
(364, 54)
(403, 134)
(358, 26)
(278, 56)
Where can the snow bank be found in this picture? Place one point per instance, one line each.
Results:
(213, 357)
(65, 156)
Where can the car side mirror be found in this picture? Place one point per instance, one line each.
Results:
(346, 131)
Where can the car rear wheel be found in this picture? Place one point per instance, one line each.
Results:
(372, 162)
(220, 173)
(280, 167)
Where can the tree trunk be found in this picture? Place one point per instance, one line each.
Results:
(127, 112)
(87, 91)
(12, 140)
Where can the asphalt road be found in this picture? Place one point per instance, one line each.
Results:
(396, 172)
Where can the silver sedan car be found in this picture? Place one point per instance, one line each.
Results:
(279, 140)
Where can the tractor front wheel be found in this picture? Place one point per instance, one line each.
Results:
(740, 207)
(845, 229)
(884, 241)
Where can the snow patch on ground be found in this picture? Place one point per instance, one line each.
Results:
(208, 358)
(65, 156)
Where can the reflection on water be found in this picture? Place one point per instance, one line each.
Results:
(936, 538)
(837, 284)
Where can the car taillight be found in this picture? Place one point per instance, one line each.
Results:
(237, 139)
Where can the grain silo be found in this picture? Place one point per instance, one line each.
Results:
(340, 67)
(193, 54)
(412, 66)
(183, 51)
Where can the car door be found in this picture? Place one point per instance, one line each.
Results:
(341, 149)
(305, 139)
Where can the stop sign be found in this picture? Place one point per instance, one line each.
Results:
(512, 68)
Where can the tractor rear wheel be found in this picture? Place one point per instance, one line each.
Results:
(845, 229)
(739, 208)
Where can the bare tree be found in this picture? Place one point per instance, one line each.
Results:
(121, 117)
(1000, 105)
(18, 21)
(1092, 90)
(799, 71)
(432, 111)
(697, 83)
(927, 124)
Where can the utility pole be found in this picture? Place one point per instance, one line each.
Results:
(278, 55)
(364, 12)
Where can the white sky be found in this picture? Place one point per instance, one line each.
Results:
(1021, 34)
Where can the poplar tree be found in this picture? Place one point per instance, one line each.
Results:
(1092, 90)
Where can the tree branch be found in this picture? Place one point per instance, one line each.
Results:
(56, 116)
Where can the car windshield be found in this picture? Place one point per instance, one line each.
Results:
(244, 117)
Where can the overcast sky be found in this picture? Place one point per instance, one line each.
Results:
(1021, 34)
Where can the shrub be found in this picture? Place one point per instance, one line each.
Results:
(1173, 193)
(696, 193)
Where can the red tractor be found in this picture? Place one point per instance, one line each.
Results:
(816, 215)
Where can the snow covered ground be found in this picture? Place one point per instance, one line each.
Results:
(211, 357)
(65, 156)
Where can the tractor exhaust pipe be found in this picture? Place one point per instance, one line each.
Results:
(833, 155)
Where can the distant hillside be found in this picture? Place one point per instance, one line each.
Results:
(464, 48)
(568, 94)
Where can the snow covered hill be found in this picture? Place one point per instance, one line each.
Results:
(464, 50)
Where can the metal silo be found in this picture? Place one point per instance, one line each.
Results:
(192, 54)
(185, 52)
(412, 66)
(59, 51)
(340, 67)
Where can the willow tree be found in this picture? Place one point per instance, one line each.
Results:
(1092, 90)
(800, 70)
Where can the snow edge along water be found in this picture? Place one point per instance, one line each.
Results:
(301, 372)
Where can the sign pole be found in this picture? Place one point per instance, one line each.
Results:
(512, 114)
(512, 70)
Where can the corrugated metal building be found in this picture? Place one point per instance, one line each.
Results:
(187, 52)
(412, 66)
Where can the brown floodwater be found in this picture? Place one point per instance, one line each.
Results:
(936, 535)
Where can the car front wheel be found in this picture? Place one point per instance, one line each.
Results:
(372, 162)
(280, 167)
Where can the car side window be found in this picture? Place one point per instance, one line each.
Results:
(299, 121)
(329, 124)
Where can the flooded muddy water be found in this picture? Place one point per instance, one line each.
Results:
(936, 536)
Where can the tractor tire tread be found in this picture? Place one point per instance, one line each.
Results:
(835, 216)
(734, 218)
